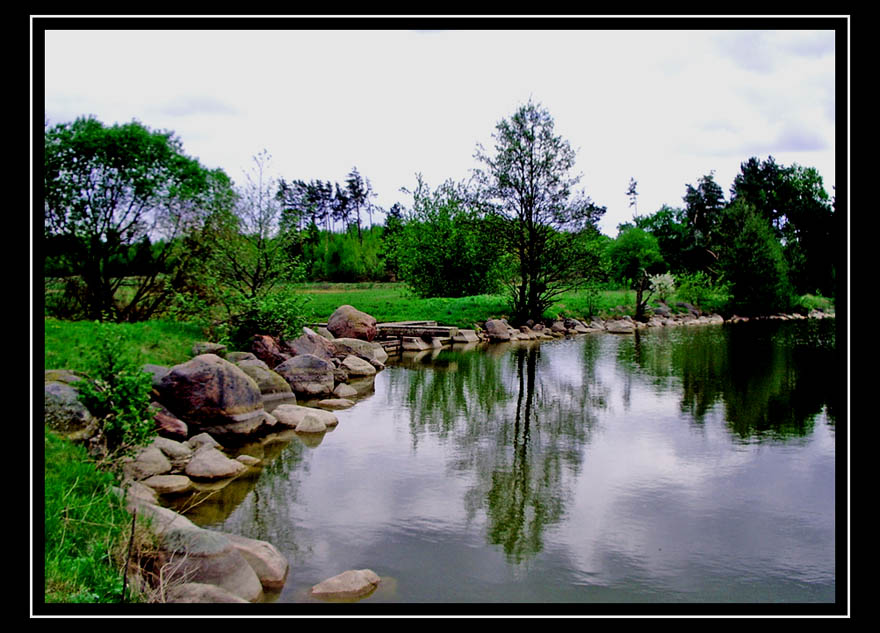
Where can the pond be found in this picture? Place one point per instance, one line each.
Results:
(687, 465)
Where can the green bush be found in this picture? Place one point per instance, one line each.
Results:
(704, 292)
(280, 314)
(117, 392)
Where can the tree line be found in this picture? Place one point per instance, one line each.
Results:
(134, 228)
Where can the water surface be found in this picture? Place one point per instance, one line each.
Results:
(687, 465)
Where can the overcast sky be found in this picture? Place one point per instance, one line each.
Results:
(662, 106)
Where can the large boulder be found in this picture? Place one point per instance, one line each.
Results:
(497, 330)
(65, 414)
(311, 343)
(348, 322)
(167, 424)
(264, 558)
(355, 366)
(308, 375)
(271, 384)
(213, 395)
(206, 556)
(371, 352)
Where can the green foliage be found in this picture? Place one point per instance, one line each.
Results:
(544, 225)
(701, 290)
(117, 392)
(85, 526)
(279, 314)
(632, 254)
(445, 247)
(752, 263)
(109, 191)
(662, 285)
(343, 257)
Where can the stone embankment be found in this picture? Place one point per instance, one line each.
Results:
(221, 398)
(217, 400)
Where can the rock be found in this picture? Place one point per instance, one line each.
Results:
(293, 414)
(146, 462)
(336, 403)
(348, 322)
(213, 395)
(169, 484)
(249, 460)
(371, 352)
(197, 592)
(311, 343)
(322, 331)
(497, 330)
(619, 326)
(210, 464)
(62, 375)
(202, 439)
(354, 583)
(343, 390)
(268, 350)
(237, 357)
(167, 424)
(204, 347)
(310, 424)
(65, 414)
(466, 336)
(178, 453)
(264, 558)
(272, 385)
(308, 375)
(355, 366)
(209, 557)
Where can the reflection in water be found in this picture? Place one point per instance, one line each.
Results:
(772, 380)
(518, 434)
(612, 468)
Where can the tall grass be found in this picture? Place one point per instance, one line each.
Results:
(85, 527)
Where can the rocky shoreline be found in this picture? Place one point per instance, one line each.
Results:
(220, 399)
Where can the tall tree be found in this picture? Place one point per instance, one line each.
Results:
(635, 255)
(793, 201)
(359, 193)
(633, 196)
(703, 206)
(110, 188)
(547, 226)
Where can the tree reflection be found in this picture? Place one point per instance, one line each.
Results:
(519, 425)
(771, 377)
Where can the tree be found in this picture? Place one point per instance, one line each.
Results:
(546, 227)
(359, 193)
(633, 195)
(752, 262)
(703, 205)
(445, 247)
(668, 225)
(635, 256)
(793, 201)
(253, 253)
(109, 189)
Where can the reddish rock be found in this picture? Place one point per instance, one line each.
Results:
(348, 322)
(268, 350)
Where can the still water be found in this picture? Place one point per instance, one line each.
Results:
(680, 465)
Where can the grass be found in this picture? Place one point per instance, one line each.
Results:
(86, 527)
(68, 344)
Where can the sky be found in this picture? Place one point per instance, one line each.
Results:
(658, 105)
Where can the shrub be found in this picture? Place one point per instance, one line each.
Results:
(663, 285)
(280, 314)
(702, 291)
(117, 392)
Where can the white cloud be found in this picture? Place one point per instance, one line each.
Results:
(662, 106)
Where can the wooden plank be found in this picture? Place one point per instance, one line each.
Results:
(423, 331)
